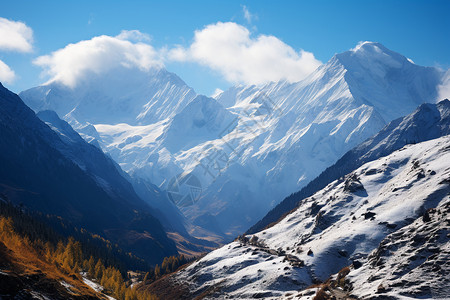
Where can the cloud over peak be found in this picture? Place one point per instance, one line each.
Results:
(99, 55)
(229, 49)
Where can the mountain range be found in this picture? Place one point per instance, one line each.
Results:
(250, 146)
(378, 232)
(358, 150)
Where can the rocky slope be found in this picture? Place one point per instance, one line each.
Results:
(370, 219)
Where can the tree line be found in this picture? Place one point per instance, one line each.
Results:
(28, 235)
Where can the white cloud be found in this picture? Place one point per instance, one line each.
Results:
(15, 36)
(247, 15)
(6, 74)
(134, 35)
(444, 87)
(98, 55)
(229, 49)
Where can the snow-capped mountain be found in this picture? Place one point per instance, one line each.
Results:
(428, 121)
(252, 145)
(123, 95)
(388, 219)
(369, 74)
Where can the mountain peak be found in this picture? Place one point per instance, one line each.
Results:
(388, 81)
(372, 55)
(122, 96)
(369, 46)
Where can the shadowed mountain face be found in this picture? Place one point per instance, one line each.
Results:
(68, 177)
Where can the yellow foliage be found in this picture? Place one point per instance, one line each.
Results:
(67, 257)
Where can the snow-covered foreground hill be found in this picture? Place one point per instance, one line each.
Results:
(251, 146)
(391, 200)
(414, 260)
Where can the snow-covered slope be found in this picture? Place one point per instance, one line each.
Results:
(413, 261)
(428, 121)
(340, 225)
(252, 145)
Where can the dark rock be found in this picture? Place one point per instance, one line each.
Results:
(373, 278)
(391, 226)
(254, 240)
(380, 289)
(426, 217)
(262, 295)
(352, 184)
(445, 181)
(315, 208)
(421, 175)
(371, 172)
(368, 215)
(418, 239)
(434, 250)
(356, 264)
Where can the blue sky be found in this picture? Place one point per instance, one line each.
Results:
(416, 29)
